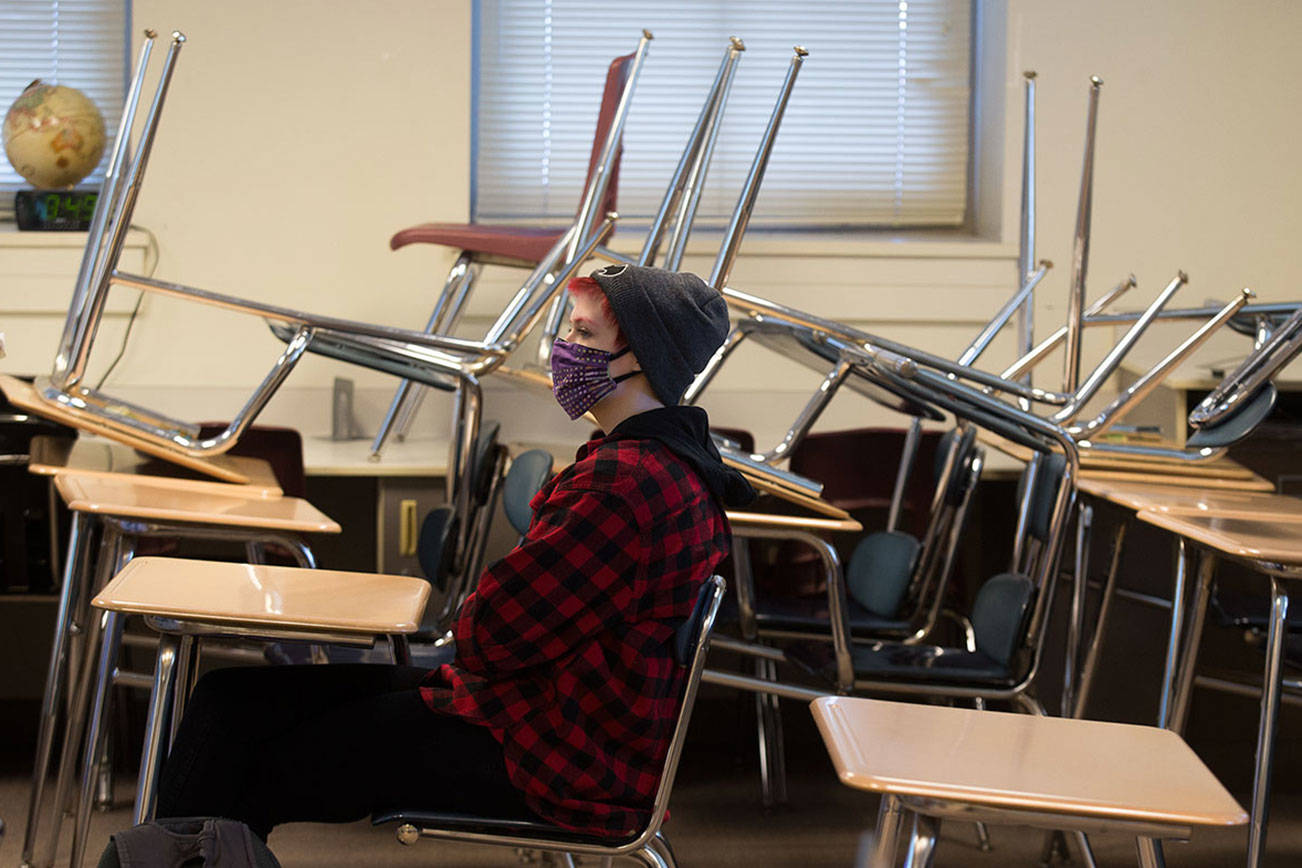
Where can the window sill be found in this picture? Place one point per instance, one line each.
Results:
(855, 244)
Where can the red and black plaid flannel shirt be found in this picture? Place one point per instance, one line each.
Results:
(565, 649)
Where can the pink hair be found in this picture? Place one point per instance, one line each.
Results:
(587, 288)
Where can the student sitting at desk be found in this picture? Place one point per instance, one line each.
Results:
(562, 697)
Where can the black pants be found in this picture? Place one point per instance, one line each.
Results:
(278, 744)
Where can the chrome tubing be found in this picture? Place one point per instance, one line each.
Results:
(750, 190)
(119, 221)
(501, 331)
(808, 415)
(1080, 252)
(689, 177)
(593, 195)
(759, 308)
(1026, 237)
(1138, 390)
(109, 193)
(1020, 301)
(1259, 367)
(1280, 310)
(302, 318)
(1049, 344)
(416, 355)
(1110, 362)
(836, 591)
(712, 367)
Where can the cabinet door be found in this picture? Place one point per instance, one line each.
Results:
(403, 504)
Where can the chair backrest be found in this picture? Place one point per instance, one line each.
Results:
(527, 474)
(616, 79)
(880, 569)
(999, 615)
(434, 545)
(1004, 613)
(691, 641)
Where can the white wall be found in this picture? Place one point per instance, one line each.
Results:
(299, 135)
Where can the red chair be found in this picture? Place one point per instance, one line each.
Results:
(514, 246)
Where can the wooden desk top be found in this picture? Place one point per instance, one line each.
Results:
(51, 456)
(1086, 768)
(1271, 540)
(1220, 473)
(22, 394)
(144, 498)
(796, 522)
(267, 596)
(1176, 500)
(817, 504)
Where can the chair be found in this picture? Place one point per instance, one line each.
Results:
(895, 585)
(435, 545)
(509, 245)
(1007, 618)
(895, 582)
(649, 845)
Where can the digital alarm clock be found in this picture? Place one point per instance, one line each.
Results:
(55, 210)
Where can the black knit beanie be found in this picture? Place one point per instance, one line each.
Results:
(673, 321)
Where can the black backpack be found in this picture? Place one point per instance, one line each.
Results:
(192, 842)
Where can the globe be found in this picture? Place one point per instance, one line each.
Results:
(53, 135)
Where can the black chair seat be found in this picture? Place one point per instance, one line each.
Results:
(810, 615)
(929, 664)
(519, 827)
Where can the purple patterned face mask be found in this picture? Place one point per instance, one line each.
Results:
(581, 376)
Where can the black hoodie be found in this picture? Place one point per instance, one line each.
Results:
(685, 431)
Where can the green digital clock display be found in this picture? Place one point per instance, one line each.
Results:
(55, 210)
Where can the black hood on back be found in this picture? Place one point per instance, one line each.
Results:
(685, 431)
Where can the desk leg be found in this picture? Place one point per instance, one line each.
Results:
(1177, 628)
(57, 675)
(1189, 655)
(1266, 725)
(1101, 625)
(922, 842)
(156, 729)
(1076, 623)
(890, 816)
(1150, 853)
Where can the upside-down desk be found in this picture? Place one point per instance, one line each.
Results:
(54, 456)
(187, 599)
(1274, 549)
(20, 393)
(1018, 769)
(128, 508)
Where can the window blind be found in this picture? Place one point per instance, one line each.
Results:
(876, 133)
(77, 43)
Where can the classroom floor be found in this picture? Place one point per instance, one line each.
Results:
(716, 818)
